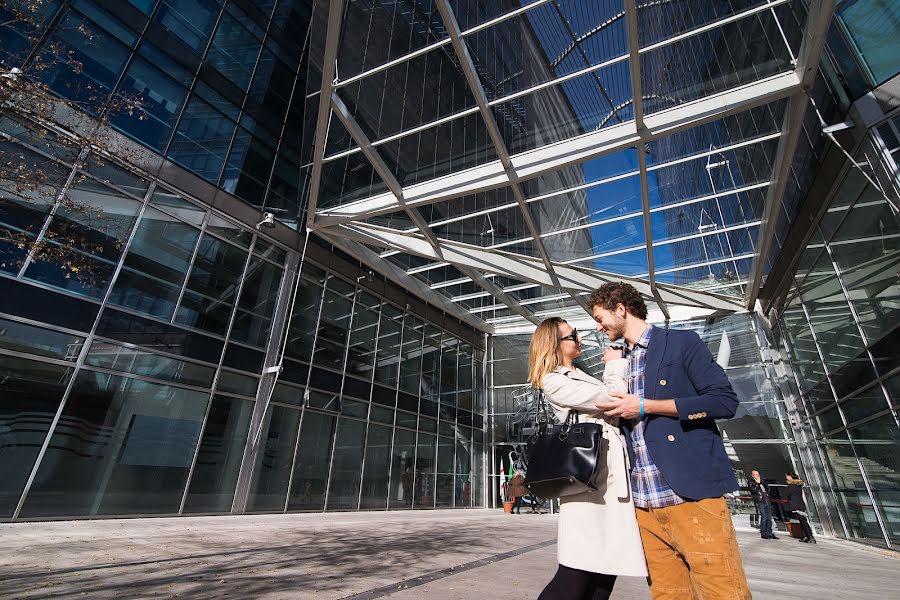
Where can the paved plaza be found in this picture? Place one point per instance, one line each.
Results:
(478, 554)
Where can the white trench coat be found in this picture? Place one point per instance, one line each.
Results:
(598, 532)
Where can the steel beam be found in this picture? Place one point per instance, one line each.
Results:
(396, 274)
(524, 268)
(817, 24)
(332, 39)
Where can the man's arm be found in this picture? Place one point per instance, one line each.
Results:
(715, 397)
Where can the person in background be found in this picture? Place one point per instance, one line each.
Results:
(796, 507)
(598, 537)
(759, 489)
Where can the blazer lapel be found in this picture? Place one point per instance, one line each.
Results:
(655, 352)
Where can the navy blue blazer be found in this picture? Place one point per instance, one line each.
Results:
(687, 449)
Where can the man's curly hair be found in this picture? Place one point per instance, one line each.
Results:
(610, 295)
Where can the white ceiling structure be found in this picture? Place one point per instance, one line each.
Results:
(612, 197)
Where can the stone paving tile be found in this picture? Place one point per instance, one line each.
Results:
(473, 554)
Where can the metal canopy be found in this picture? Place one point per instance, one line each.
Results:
(508, 159)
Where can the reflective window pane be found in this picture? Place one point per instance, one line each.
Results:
(346, 465)
(313, 461)
(272, 471)
(377, 465)
(402, 469)
(219, 456)
(122, 446)
(31, 393)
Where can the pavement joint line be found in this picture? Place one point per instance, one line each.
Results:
(440, 574)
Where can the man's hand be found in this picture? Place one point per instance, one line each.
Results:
(626, 406)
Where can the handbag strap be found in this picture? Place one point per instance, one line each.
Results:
(571, 415)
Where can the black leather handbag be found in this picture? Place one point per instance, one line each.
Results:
(566, 459)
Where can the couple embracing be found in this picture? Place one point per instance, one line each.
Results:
(662, 514)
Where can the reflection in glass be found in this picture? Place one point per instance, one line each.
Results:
(219, 456)
(425, 472)
(122, 446)
(30, 339)
(312, 462)
(877, 444)
(402, 469)
(377, 465)
(272, 471)
(343, 486)
(137, 361)
(31, 393)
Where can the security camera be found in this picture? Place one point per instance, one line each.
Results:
(268, 221)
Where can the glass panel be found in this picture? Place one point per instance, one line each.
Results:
(313, 460)
(234, 49)
(878, 445)
(854, 500)
(448, 371)
(82, 67)
(211, 287)
(346, 465)
(156, 265)
(377, 464)
(219, 457)
(828, 312)
(202, 139)
(411, 356)
(272, 472)
(425, 472)
(864, 404)
(361, 351)
(302, 331)
(191, 21)
(402, 469)
(387, 32)
(137, 361)
(158, 85)
(258, 296)
(733, 54)
(122, 446)
(237, 384)
(866, 248)
(445, 470)
(31, 393)
(334, 325)
(386, 363)
(463, 480)
(37, 340)
(872, 26)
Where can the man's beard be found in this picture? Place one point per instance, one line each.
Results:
(616, 331)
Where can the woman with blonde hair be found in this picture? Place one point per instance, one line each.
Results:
(598, 536)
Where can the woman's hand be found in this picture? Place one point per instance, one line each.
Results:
(612, 353)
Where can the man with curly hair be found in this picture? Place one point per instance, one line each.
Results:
(679, 468)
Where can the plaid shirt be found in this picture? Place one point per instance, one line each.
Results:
(648, 487)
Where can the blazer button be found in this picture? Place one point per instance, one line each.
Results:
(662, 382)
(671, 438)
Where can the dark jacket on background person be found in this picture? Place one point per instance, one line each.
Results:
(759, 491)
(795, 496)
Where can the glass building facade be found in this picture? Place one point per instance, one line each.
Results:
(444, 174)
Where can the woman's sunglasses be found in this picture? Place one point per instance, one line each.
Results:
(572, 336)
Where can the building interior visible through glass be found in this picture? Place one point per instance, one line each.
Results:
(444, 174)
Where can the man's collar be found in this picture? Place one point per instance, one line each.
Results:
(644, 340)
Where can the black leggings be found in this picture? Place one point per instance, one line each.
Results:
(804, 523)
(572, 584)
